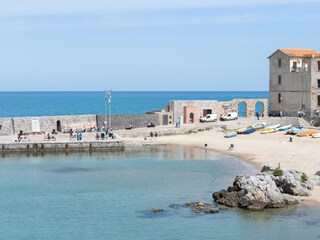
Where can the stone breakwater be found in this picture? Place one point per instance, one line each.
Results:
(265, 190)
(110, 145)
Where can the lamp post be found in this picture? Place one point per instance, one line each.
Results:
(109, 108)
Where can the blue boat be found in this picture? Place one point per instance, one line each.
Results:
(295, 131)
(284, 128)
(249, 131)
(230, 135)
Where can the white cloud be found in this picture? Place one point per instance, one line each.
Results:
(45, 7)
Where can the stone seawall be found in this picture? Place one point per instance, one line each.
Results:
(112, 145)
(76, 122)
(121, 121)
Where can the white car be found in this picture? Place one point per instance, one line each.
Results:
(209, 118)
(229, 116)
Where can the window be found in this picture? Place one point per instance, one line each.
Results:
(279, 97)
(279, 62)
(279, 79)
(294, 66)
(318, 83)
(318, 65)
(318, 100)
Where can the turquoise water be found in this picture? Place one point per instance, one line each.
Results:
(107, 195)
(18, 104)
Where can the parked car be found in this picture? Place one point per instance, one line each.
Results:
(209, 118)
(150, 124)
(229, 116)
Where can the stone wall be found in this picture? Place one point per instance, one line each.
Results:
(122, 121)
(76, 122)
(181, 109)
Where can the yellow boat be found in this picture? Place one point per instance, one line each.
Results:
(306, 133)
(268, 130)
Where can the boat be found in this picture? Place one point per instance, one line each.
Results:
(230, 135)
(241, 131)
(259, 125)
(272, 126)
(268, 130)
(316, 135)
(284, 128)
(306, 133)
(296, 131)
(249, 131)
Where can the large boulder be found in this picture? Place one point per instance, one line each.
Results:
(266, 190)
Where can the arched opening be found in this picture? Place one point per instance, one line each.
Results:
(242, 109)
(259, 108)
(58, 126)
(191, 118)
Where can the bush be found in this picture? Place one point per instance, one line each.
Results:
(304, 178)
(277, 172)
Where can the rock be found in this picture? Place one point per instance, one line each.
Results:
(156, 210)
(211, 210)
(318, 173)
(265, 168)
(263, 191)
(289, 200)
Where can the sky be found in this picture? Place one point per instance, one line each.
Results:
(149, 45)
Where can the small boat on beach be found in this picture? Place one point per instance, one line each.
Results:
(249, 131)
(285, 128)
(241, 131)
(306, 133)
(259, 125)
(316, 135)
(296, 131)
(268, 130)
(230, 135)
(272, 126)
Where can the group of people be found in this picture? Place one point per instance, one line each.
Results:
(75, 136)
(104, 135)
(49, 137)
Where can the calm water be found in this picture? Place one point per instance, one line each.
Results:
(105, 196)
(18, 104)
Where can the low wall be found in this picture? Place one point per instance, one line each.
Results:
(121, 121)
(76, 122)
(113, 145)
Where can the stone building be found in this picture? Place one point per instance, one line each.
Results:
(294, 84)
(190, 111)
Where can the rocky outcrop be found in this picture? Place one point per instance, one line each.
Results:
(266, 190)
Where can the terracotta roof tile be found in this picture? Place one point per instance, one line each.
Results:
(300, 52)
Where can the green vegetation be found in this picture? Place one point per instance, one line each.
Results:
(304, 178)
(277, 172)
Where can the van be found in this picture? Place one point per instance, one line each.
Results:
(209, 118)
(229, 116)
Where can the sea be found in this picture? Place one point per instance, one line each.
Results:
(109, 195)
(22, 104)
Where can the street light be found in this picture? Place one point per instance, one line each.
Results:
(107, 100)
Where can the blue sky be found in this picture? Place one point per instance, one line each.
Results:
(148, 44)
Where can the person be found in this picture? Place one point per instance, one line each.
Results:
(97, 136)
(48, 136)
(151, 134)
(102, 136)
(80, 136)
(280, 113)
(178, 123)
(71, 133)
(110, 133)
(155, 134)
(231, 146)
(257, 115)
(290, 139)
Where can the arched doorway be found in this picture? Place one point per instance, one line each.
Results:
(58, 126)
(242, 109)
(259, 108)
(191, 118)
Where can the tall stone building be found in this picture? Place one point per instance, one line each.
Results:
(294, 84)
